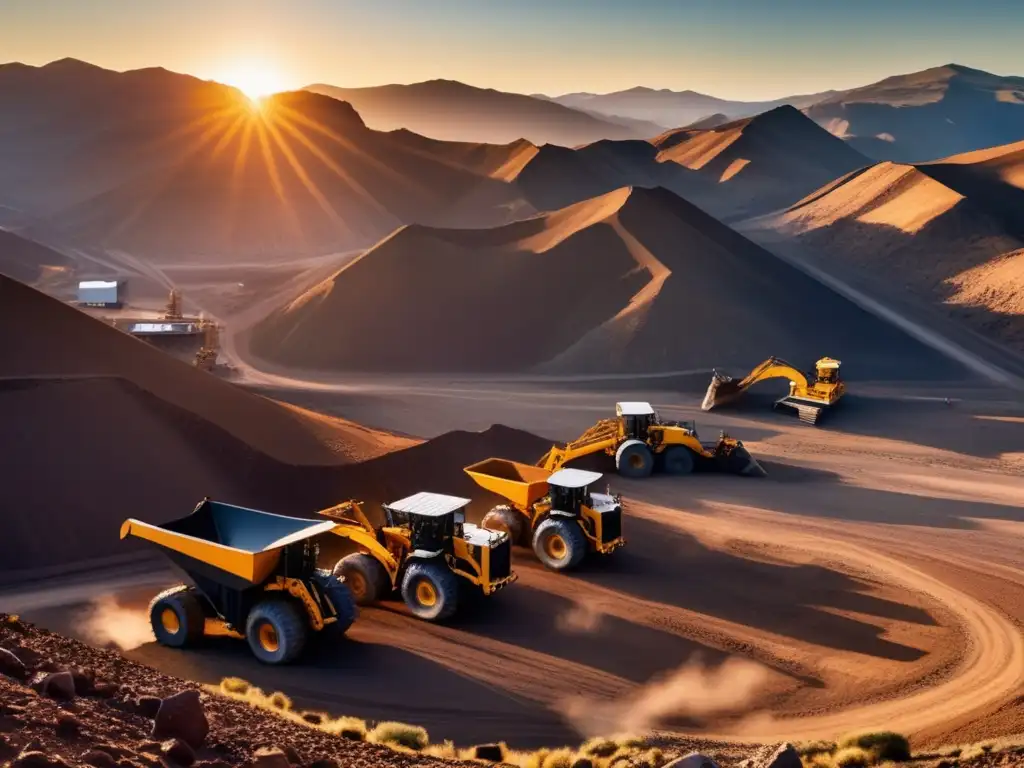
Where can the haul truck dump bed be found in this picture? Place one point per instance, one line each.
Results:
(555, 513)
(253, 575)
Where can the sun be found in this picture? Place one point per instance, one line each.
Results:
(256, 80)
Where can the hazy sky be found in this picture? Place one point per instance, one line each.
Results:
(732, 48)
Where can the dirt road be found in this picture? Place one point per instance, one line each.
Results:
(875, 574)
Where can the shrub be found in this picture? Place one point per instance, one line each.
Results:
(559, 758)
(650, 758)
(400, 734)
(820, 760)
(600, 747)
(446, 750)
(534, 759)
(883, 745)
(279, 701)
(852, 757)
(351, 728)
(812, 748)
(235, 685)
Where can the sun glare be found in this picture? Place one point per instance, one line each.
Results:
(254, 80)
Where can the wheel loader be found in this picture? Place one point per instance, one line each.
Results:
(250, 575)
(642, 443)
(810, 394)
(425, 550)
(557, 514)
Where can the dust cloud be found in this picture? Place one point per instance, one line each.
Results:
(691, 690)
(583, 616)
(106, 622)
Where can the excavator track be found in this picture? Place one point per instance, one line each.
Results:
(806, 412)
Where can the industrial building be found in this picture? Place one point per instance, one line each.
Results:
(108, 294)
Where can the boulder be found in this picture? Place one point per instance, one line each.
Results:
(11, 665)
(56, 685)
(68, 726)
(325, 762)
(178, 752)
(774, 756)
(692, 760)
(270, 757)
(97, 758)
(293, 755)
(147, 706)
(37, 759)
(182, 716)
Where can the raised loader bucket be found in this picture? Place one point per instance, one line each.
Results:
(521, 484)
(721, 390)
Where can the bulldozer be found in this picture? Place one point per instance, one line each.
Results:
(557, 514)
(250, 575)
(810, 394)
(425, 550)
(642, 443)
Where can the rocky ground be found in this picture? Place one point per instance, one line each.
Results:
(64, 703)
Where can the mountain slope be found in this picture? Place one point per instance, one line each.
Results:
(951, 233)
(165, 166)
(759, 163)
(454, 111)
(667, 107)
(739, 169)
(613, 284)
(928, 114)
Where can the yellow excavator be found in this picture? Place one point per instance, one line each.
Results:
(810, 394)
(642, 443)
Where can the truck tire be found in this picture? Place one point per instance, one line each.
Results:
(634, 459)
(677, 460)
(560, 544)
(507, 519)
(430, 590)
(277, 630)
(342, 600)
(364, 576)
(177, 617)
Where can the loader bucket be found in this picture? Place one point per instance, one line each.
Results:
(722, 389)
(521, 484)
(734, 458)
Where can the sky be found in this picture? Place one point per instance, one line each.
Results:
(737, 49)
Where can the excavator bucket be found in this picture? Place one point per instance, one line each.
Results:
(722, 389)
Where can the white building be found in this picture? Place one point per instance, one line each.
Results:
(100, 293)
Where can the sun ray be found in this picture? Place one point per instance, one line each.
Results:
(275, 177)
(303, 176)
(364, 194)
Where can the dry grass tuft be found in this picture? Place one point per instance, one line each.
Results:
(279, 701)
(812, 748)
(399, 734)
(882, 745)
(852, 757)
(559, 758)
(236, 685)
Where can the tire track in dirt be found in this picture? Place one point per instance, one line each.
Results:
(991, 667)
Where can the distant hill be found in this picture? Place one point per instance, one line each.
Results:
(927, 115)
(949, 232)
(676, 108)
(633, 280)
(454, 111)
(736, 170)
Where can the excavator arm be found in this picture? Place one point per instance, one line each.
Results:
(600, 437)
(809, 395)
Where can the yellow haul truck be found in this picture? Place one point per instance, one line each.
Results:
(557, 514)
(425, 550)
(253, 575)
(642, 443)
(810, 394)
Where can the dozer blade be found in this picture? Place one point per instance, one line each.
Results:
(721, 390)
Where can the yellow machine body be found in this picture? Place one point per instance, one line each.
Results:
(810, 394)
